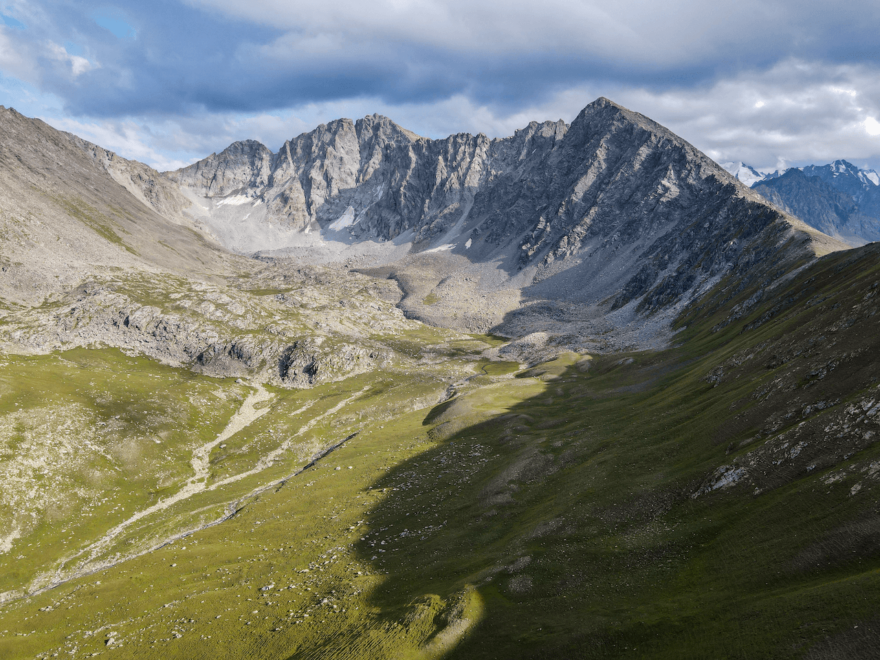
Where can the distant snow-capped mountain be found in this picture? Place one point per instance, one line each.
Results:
(748, 174)
(839, 199)
(846, 177)
(844, 172)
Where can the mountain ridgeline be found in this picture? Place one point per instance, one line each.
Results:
(613, 208)
(838, 199)
(577, 392)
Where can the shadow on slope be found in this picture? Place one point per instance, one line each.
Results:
(718, 499)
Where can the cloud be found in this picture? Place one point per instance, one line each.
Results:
(651, 34)
(12, 61)
(129, 139)
(749, 80)
(176, 142)
(810, 112)
(230, 56)
(78, 64)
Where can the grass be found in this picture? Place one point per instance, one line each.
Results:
(565, 512)
(107, 433)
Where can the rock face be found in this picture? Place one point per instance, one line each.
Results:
(611, 210)
(68, 207)
(243, 166)
(592, 236)
(838, 199)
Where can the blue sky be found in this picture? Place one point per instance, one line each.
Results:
(170, 81)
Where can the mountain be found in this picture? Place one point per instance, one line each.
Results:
(96, 250)
(612, 212)
(746, 173)
(838, 199)
(642, 421)
(825, 207)
(846, 177)
(63, 215)
(749, 175)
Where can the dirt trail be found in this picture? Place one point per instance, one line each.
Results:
(244, 417)
(267, 460)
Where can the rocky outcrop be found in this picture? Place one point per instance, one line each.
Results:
(610, 210)
(101, 317)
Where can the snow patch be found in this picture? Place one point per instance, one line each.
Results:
(467, 246)
(441, 248)
(347, 219)
(235, 200)
(745, 173)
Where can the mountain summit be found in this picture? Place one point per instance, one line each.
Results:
(612, 211)
(224, 431)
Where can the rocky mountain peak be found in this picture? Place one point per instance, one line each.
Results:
(839, 199)
(611, 210)
(380, 124)
(241, 167)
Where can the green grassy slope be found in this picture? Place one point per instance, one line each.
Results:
(718, 499)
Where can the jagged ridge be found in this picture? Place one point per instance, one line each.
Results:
(625, 208)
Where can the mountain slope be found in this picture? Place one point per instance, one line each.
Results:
(62, 215)
(838, 199)
(310, 474)
(863, 185)
(612, 211)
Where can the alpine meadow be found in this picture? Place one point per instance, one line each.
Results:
(576, 392)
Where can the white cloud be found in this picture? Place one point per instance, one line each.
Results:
(129, 139)
(810, 113)
(78, 65)
(13, 62)
(647, 32)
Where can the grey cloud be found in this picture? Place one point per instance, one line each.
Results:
(810, 113)
(201, 74)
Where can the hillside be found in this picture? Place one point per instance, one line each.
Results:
(63, 216)
(668, 449)
(838, 199)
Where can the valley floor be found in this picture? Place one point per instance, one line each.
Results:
(716, 499)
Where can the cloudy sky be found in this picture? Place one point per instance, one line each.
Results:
(771, 83)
